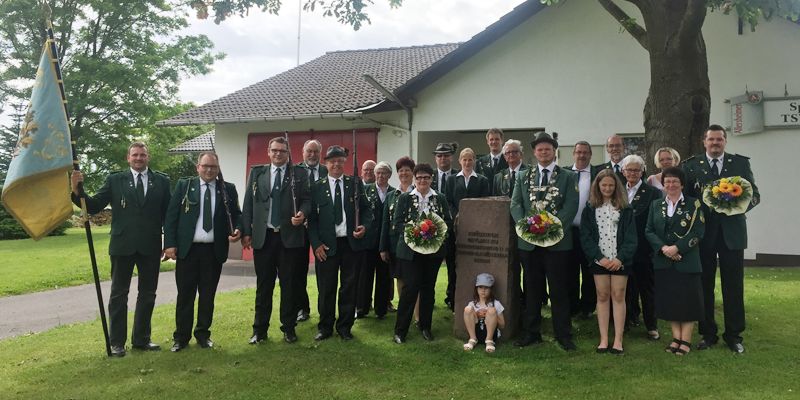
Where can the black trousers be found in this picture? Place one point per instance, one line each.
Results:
(641, 285)
(731, 273)
(582, 293)
(373, 269)
(121, 273)
(543, 267)
(450, 260)
(196, 275)
(419, 279)
(300, 280)
(341, 266)
(271, 261)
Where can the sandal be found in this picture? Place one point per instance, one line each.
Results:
(672, 349)
(490, 346)
(681, 352)
(470, 345)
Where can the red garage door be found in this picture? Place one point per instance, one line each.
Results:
(257, 145)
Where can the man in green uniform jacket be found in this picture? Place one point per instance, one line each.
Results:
(547, 265)
(725, 236)
(201, 221)
(139, 198)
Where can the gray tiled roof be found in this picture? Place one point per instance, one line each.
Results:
(204, 142)
(332, 83)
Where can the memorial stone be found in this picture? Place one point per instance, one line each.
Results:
(485, 241)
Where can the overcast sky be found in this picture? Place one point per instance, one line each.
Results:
(262, 45)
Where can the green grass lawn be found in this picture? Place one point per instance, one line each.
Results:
(69, 362)
(53, 262)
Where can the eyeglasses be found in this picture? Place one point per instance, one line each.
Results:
(423, 178)
(512, 152)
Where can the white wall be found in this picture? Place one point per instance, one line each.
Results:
(570, 70)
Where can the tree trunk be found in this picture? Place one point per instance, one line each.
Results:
(676, 113)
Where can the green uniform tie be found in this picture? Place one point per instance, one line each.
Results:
(337, 204)
(207, 217)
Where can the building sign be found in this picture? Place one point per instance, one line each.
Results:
(752, 113)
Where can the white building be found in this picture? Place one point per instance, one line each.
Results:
(566, 68)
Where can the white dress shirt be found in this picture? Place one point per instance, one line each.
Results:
(584, 183)
(424, 200)
(467, 178)
(719, 162)
(144, 179)
(672, 206)
(341, 229)
(442, 177)
(632, 190)
(382, 192)
(200, 235)
(550, 169)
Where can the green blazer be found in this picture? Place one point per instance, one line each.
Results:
(501, 182)
(626, 236)
(373, 235)
(483, 166)
(435, 179)
(135, 227)
(684, 229)
(322, 228)
(184, 211)
(405, 211)
(388, 240)
(255, 212)
(698, 175)
(564, 206)
(457, 190)
(597, 168)
(642, 200)
(322, 172)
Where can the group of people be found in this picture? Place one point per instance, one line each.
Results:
(631, 244)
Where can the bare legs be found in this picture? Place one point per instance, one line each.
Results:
(611, 293)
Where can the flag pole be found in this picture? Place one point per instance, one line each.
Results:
(76, 166)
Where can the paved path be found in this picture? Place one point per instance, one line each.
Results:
(37, 312)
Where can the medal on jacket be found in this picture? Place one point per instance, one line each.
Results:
(122, 202)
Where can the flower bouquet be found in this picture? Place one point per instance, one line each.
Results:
(426, 234)
(540, 228)
(729, 196)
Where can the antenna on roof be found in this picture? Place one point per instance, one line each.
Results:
(299, 14)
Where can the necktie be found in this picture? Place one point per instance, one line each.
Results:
(314, 174)
(544, 176)
(275, 213)
(441, 182)
(513, 179)
(616, 168)
(494, 162)
(207, 218)
(337, 204)
(714, 169)
(140, 189)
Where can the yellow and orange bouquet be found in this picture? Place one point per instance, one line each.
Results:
(729, 196)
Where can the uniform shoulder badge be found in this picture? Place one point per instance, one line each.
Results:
(693, 241)
(741, 156)
(160, 173)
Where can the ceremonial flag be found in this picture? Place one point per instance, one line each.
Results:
(36, 190)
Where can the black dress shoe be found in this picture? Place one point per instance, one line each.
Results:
(205, 343)
(346, 335)
(177, 346)
(117, 351)
(616, 352)
(381, 317)
(391, 308)
(322, 335)
(601, 350)
(568, 345)
(147, 347)
(427, 335)
(737, 348)
(302, 316)
(528, 340)
(256, 338)
(705, 344)
(399, 339)
(289, 336)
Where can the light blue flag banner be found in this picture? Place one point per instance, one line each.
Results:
(36, 189)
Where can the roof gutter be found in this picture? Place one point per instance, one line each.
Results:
(239, 120)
